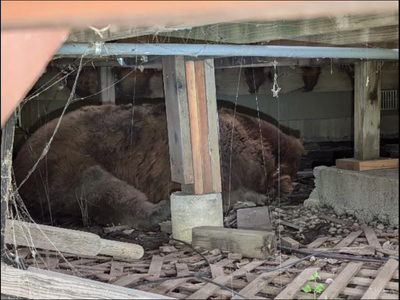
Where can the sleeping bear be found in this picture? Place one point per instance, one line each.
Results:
(110, 165)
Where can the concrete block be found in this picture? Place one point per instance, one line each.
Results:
(189, 211)
(369, 194)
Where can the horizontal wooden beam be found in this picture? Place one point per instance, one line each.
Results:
(250, 243)
(245, 33)
(42, 284)
(366, 35)
(16, 14)
(365, 165)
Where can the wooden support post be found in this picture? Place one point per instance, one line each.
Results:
(367, 119)
(203, 126)
(367, 110)
(192, 124)
(178, 119)
(107, 87)
(7, 141)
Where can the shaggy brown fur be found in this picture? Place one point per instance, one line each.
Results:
(111, 163)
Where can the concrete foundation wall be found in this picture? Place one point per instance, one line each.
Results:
(368, 195)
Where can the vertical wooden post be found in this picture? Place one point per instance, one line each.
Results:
(176, 103)
(192, 124)
(367, 110)
(7, 141)
(203, 126)
(106, 78)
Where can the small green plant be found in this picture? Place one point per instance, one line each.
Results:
(319, 287)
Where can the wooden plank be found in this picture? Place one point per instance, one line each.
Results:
(359, 292)
(358, 281)
(116, 269)
(294, 287)
(371, 237)
(255, 218)
(348, 240)
(341, 281)
(277, 30)
(155, 266)
(359, 165)
(367, 110)
(388, 252)
(259, 283)
(107, 85)
(176, 102)
(289, 242)
(194, 127)
(213, 124)
(182, 269)
(288, 224)
(129, 279)
(217, 271)
(7, 142)
(41, 284)
(69, 241)
(203, 126)
(209, 289)
(381, 280)
(350, 37)
(318, 242)
(250, 243)
(362, 250)
(168, 286)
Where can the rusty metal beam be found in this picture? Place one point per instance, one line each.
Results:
(20, 14)
(24, 56)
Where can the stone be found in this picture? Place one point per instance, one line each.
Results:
(380, 227)
(332, 229)
(281, 228)
(310, 203)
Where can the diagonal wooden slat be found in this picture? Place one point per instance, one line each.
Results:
(155, 266)
(258, 284)
(384, 276)
(318, 242)
(294, 287)
(168, 286)
(217, 271)
(210, 288)
(341, 281)
(348, 240)
(371, 237)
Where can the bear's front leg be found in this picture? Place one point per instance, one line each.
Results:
(111, 201)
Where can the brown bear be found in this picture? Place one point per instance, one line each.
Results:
(110, 164)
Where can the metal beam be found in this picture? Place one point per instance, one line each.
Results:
(132, 50)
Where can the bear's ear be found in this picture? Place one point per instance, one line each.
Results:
(299, 144)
